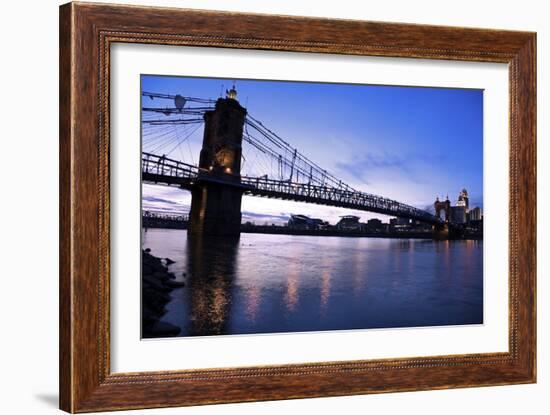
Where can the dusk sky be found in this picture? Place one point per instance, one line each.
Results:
(410, 144)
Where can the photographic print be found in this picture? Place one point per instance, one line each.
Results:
(283, 206)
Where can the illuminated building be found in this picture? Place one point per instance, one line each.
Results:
(458, 214)
(463, 200)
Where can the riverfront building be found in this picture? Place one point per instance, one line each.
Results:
(459, 215)
(475, 214)
(303, 222)
(349, 223)
(375, 224)
(464, 200)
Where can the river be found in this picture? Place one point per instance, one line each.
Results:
(265, 283)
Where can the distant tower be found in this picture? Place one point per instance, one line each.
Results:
(444, 207)
(463, 200)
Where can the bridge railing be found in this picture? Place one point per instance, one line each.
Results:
(163, 166)
(176, 217)
(160, 166)
(360, 200)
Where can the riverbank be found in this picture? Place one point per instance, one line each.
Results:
(285, 230)
(156, 284)
(405, 234)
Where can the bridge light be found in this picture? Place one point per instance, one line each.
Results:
(231, 93)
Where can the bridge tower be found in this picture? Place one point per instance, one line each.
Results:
(443, 206)
(446, 229)
(216, 196)
(442, 230)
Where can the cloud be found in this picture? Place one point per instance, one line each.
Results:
(165, 199)
(154, 199)
(251, 216)
(413, 167)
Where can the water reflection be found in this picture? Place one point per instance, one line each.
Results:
(283, 283)
(211, 265)
(291, 292)
(325, 285)
(253, 303)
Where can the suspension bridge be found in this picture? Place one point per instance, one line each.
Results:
(239, 155)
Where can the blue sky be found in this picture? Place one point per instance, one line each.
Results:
(406, 143)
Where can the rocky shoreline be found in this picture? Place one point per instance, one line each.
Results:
(156, 284)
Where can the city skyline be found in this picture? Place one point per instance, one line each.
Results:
(411, 144)
(250, 218)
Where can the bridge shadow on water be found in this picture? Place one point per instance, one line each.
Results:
(211, 265)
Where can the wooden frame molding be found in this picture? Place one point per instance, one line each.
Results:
(86, 33)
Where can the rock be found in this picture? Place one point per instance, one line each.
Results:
(146, 269)
(174, 284)
(161, 275)
(154, 263)
(157, 266)
(169, 261)
(148, 316)
(155, 300)
(154, 284)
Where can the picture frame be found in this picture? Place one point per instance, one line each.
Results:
(87, 32)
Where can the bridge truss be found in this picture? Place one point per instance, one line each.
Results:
(158, 169)
(272, 167)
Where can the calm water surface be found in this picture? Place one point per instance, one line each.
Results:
(286, 283)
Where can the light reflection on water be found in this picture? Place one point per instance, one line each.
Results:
(285, 283)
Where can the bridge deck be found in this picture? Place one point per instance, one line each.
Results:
(158, 169)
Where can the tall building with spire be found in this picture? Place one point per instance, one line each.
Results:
(463, 200)
(459, 213)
